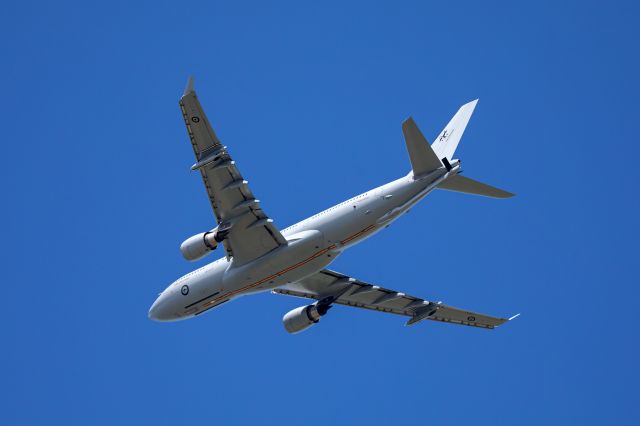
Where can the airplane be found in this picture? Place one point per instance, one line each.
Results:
(259, 257)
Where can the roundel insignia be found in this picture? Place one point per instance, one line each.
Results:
(195, 119)
(184, 290)
(472, 319)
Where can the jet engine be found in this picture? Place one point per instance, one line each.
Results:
(200, 245)
(301, 318)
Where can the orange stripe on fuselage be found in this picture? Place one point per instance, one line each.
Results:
(368, 228)
(290, 268)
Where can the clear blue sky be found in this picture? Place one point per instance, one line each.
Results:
(97, 196)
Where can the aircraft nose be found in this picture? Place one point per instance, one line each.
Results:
(160, 311)
(153, 312)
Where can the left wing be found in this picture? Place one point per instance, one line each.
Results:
(251, 232)
(351, 292)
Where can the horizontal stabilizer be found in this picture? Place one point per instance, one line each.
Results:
(464, 184)
(423, 159)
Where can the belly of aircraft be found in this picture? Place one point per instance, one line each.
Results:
(268, 277)
(306, 253)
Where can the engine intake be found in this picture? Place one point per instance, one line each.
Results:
(196, 247)
(299, 319)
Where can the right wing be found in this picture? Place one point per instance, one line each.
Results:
(352, 292)
(251, 232)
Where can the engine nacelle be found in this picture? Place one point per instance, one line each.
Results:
(299, 319)
(200, 245)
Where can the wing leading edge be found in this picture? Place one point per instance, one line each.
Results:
(327, 283)
(252, 233)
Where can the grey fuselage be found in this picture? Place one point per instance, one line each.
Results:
(312, 244)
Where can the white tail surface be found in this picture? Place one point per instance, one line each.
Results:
(447, 142)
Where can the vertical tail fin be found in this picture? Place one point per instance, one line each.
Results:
(448, 140)
(425, 158)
